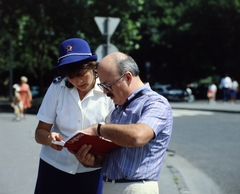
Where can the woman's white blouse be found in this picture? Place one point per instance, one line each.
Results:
(63, 108)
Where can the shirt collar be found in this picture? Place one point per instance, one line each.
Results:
(96, 87)
(143, 88)
(136, 94)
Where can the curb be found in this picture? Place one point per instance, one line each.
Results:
(177, 177)
(189, 179)
(179, 181)
(205, 106)
(209, 109)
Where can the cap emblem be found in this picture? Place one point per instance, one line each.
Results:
(69, 48)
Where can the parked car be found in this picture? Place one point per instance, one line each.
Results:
(35, 91)
(174, 94)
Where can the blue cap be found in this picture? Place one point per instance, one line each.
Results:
(74, 50)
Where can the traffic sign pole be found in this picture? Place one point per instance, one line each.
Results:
(107, 36)
(107, 26)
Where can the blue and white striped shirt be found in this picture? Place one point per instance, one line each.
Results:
(141, 162)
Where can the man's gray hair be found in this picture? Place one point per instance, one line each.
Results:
(126, 63)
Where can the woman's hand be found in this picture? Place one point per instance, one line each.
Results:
(45, 137)
(55, 137)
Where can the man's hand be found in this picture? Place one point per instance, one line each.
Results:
(86, 158)
(92, 130)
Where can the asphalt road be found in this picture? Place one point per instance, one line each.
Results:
(211, 142)
(19, 154)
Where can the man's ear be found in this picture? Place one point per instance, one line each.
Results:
(128, 76)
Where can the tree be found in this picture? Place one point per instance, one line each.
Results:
(184, 41)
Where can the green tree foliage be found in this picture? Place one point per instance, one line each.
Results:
(189, 40)
(183, 40)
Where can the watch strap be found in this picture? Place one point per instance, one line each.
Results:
(99, 128)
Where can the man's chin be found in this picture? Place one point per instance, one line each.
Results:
(112, 98)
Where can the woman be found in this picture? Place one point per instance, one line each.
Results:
(25, 94)
(71, 103)
(233, 91)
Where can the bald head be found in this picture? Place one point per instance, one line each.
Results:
(119, 63)
(111, 61)
(119, 76)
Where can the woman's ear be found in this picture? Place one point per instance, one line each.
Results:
(95, 73)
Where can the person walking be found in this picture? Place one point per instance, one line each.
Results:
(25, 94)
(234, 90)
(71, 103)
(211, 93)
(225, 85)
(141, 124)
(17, 103)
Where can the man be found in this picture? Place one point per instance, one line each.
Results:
(225, 85)
(141, 124)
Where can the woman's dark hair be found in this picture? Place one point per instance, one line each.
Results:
(75, 69)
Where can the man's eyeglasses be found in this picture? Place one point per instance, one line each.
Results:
(108, 87)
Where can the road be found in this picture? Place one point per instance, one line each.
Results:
(211, 142)
(19, 154)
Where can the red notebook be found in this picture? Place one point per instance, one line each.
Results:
(100, 146)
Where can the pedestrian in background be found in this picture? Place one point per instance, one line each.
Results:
(25, 94)
(17, 102)
(141, 123)
(225, 85)
(234, 90)
(72, 102)
(211, 93)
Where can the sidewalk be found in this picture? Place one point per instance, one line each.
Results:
(203, 105)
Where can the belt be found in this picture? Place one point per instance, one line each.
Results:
(123, 180)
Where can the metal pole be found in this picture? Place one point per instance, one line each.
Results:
(10, 70)
(107, 36)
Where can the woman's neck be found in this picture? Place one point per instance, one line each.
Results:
(82, 94)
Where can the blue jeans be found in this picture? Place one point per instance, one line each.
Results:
(226, 93)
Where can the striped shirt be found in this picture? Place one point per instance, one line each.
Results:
(141, 162)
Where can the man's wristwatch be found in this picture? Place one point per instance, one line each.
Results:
(99, 127)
